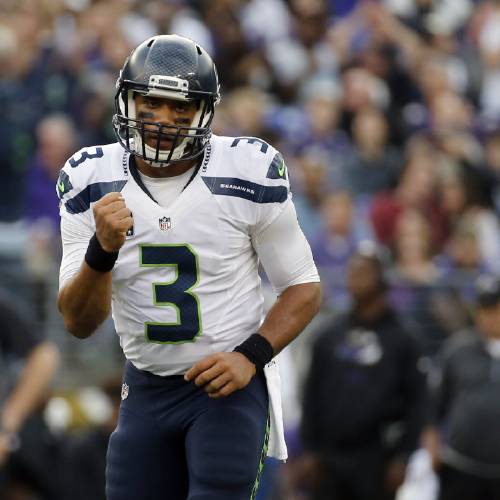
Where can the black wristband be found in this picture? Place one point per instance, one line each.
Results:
(257, 349)
(97, 258)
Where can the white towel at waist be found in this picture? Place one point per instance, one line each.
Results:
(277, 444)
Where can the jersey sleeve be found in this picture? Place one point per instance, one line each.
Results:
(85, 178)
(276, 235)
(76, 232)
(77, 226)
(284, 251)
(275, 195)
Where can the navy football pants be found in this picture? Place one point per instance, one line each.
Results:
(173, 442)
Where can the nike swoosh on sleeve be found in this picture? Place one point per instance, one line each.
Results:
(281, 169)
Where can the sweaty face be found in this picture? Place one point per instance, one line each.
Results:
(168, 112)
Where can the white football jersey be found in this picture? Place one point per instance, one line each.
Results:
(186, 281)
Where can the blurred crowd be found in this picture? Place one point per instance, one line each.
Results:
(387, 113)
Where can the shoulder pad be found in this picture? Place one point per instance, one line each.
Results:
(91, 173)
(249, 168)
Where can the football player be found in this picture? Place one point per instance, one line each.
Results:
(166, 229)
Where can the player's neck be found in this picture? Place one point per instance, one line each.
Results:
(171, 170)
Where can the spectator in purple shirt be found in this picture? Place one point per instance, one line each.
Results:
(56, 141)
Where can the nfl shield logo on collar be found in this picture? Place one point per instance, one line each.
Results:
(164, 223)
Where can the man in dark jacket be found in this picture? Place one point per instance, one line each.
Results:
(27, 365)
(465, 442)
(364, 396)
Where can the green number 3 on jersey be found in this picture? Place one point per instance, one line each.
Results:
(176, 293)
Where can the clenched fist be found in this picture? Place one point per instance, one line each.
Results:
(112, 221)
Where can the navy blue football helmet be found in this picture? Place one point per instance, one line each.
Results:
(172, 67)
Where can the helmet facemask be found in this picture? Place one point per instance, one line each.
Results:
(188, 142)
